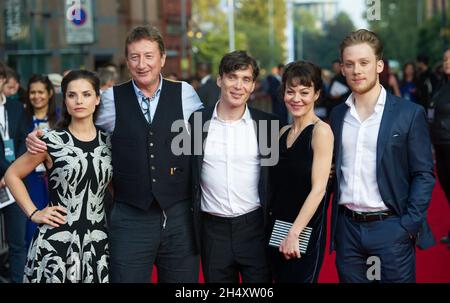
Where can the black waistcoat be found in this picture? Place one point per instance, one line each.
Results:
(145, 168)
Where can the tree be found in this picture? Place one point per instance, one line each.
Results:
(398, 29)
(431, 39)
(322, 46)
(253, 21)
(251, 30)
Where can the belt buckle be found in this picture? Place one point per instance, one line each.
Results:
(363, 217)
(357, 216)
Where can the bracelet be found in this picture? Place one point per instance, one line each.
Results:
(32, 214)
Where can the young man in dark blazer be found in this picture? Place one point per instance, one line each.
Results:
(12, 146)
(384, 172)
(232, 144)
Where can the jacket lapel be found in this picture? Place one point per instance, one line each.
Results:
(339, 124)
(255, 117)
(206, 117)
(385, 126)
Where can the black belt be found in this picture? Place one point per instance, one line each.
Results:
(366, 216)
(245, 218)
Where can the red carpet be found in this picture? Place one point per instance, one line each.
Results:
(433, 264)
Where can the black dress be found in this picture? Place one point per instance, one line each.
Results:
(76, 251)
(291, 187)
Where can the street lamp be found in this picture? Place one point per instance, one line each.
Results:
(231, 44)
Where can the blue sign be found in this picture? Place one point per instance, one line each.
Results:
(79, 16)
(79, 22)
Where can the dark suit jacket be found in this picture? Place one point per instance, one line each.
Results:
(197, 160)
(209, 92)
(405, 169)
(16, 132)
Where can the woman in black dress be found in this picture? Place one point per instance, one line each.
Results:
(301, 177)
(71, 243)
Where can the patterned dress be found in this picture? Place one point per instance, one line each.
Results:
(76, 251)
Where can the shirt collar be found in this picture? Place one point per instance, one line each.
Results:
(205, 79)
(2, 99)
(140, 94)
(246, 117)
(378, 107)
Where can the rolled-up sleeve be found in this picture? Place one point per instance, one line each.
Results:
(190, 101)
(106, 117)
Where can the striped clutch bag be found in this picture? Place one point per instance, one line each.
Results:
(280, 231)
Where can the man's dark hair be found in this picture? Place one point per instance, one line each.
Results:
(147, 32)
(336, 61)
(107, 74)
(12, 74)
(238, 60)
(423, 58)
(204, 67)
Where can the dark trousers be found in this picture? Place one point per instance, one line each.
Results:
(357, 243)
(139, 239)
(442, 153)
(234, 245)
(15, 226)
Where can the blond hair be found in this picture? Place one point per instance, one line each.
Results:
(363, 36)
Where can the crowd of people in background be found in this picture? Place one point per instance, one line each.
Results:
(38, 103)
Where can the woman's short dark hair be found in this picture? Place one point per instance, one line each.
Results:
(51, 111)
(238, 60)
(302, 73)
(72, 76)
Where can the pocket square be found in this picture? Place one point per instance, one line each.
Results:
(395, 135)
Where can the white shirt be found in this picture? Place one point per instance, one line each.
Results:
(106, 118)
(231, 167)
(359, 187)
(205, 79)
(3, 118)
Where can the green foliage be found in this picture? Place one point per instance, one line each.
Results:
(398, 29)
(251, 31)
(431, 41)
(322, 47)
(403, 35)
(214, 45)
(253, 20)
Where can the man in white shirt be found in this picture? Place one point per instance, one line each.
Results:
(384, 172)
(230, 179)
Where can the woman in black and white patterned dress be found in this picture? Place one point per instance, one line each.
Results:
(71, 243)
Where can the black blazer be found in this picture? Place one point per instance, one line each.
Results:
(16, 132)
(197, 160)
(209, 92)
(405, 169)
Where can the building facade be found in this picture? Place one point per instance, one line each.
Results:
(34, 38)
